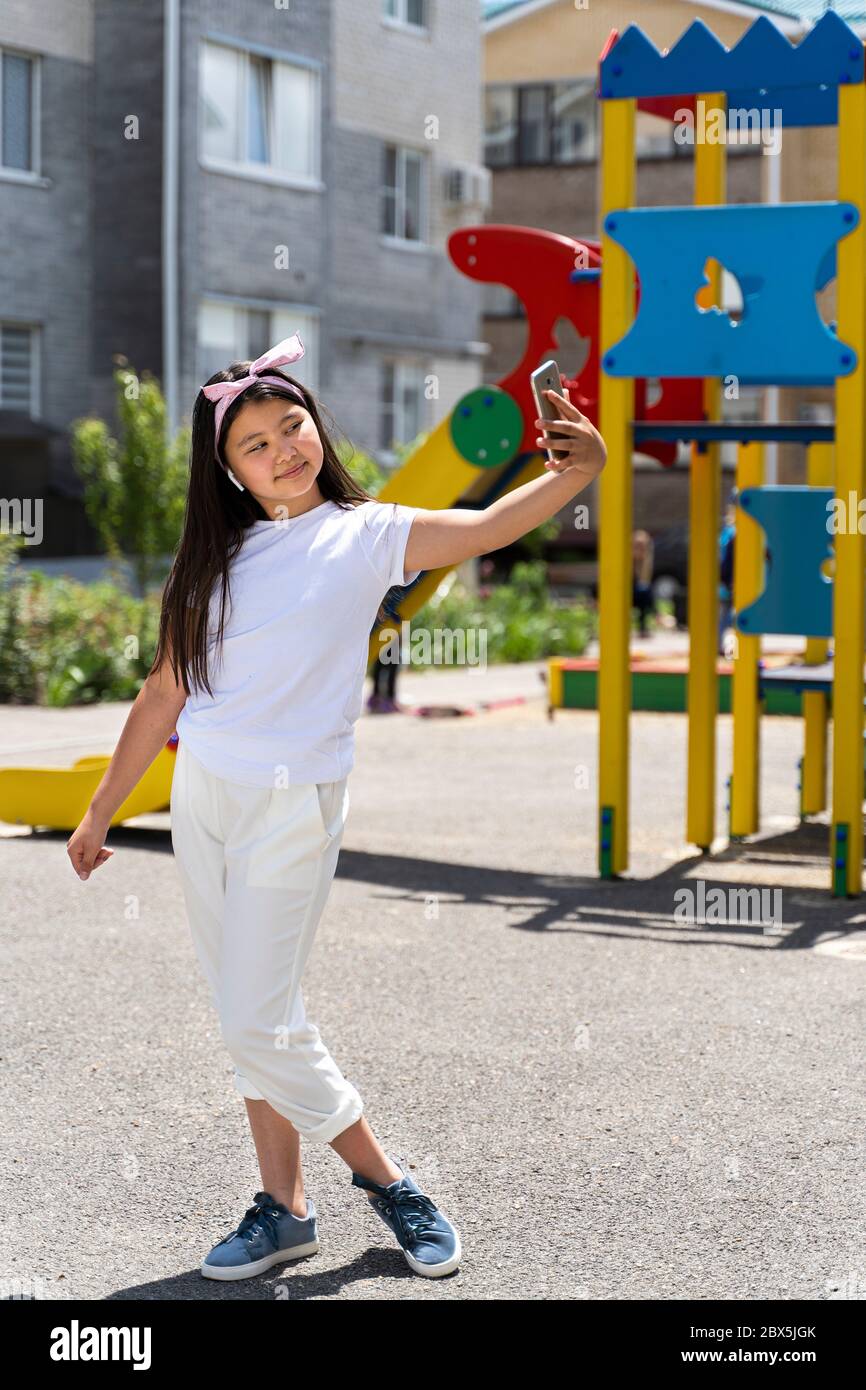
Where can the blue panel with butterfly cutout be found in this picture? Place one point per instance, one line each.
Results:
(779, 255)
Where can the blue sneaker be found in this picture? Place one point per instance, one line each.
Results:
(429, 1241)
(268, 1234)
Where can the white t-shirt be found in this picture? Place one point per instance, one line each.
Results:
(289, 687)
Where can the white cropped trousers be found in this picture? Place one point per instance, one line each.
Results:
(256, 866)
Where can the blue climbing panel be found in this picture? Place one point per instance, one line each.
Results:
(763, 61)
(778, 254)
(797, 598)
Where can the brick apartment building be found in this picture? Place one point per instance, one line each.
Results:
(184, 183)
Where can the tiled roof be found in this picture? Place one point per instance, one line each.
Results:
(491, 8)
(811, 10)
(854, 11)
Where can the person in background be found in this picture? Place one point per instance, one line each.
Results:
(726, 571)
(383, 696)
(642, 573)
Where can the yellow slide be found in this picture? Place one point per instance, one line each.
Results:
(57, 797)
(436, 476)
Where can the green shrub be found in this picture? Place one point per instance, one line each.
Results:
(64, 643)
(520, 618)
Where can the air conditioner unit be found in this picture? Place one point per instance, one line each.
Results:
(467, 185)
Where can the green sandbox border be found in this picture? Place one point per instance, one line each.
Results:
(667, 691)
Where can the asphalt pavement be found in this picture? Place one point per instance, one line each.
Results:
(607, 1100)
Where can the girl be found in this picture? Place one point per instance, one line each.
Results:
(265, 702)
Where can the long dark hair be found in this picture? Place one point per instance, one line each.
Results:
(215, 520)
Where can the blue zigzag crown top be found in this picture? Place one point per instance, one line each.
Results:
(763, 59)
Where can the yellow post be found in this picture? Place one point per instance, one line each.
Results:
(616, 413)
(554, 683)
(846, 842)
(745, 705)
(813, 774)
(703, 697)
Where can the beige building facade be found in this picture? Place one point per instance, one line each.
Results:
(542, 120)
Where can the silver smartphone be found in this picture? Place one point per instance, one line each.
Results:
(544, 378)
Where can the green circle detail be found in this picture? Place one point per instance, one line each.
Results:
(487, 426)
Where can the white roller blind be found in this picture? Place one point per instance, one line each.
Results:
(16, 368)
(295, 125)
(285, 322)
(220, 88)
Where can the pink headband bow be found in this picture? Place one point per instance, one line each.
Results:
(224, 392)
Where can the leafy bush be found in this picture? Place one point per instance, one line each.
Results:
(521, 619)
(64, 643)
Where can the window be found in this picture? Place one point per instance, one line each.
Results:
(574, 122)
(17, 112)
(560, 123)
(533, 129)
(747, 406)
(541, 123)
(654, 136)
(258, 113)
(814, 412)
(747, 129)
(230, 331)
(500, 126)
(500, 302)
(403, 212)
(406, 12)
(220, 88)
(402, 412)
(18, 374)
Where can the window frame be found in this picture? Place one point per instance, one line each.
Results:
(402, 364)
(254, 169)
(500, 302)
(421, 242)
(518, 161)
(514, 101)
(272, 307)
(34, 410)
(523, 91)
(34, 173)
(399, 21)
(587, 87)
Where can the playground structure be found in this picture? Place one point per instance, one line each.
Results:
(658, 276)
(645, 300)
(780, 254)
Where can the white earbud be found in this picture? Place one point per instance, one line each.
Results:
(234, 479)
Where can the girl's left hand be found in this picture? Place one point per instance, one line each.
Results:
(583, 448)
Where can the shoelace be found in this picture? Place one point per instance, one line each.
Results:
(412, 1213)
(261, 1216)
